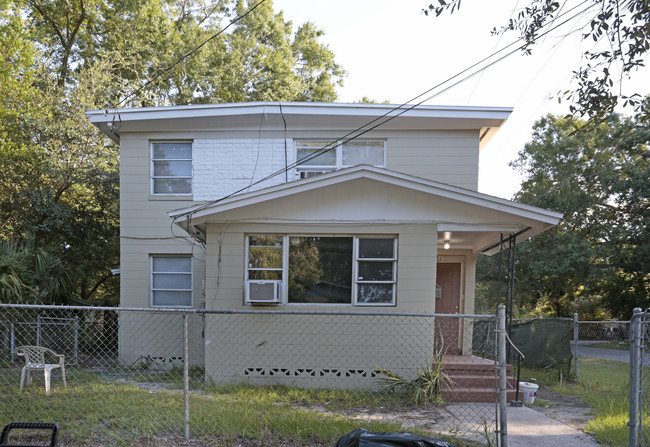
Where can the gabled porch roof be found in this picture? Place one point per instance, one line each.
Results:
(367, 195)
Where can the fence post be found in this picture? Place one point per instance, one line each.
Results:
(38, 330)
(503, 393)
(13, 342)
(76, 340)
(576, 338)
(186, 375)
(635, 369)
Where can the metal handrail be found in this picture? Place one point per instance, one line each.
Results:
(513, 345)
(521, 356)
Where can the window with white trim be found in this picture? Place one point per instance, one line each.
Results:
(171, 168)
(340, 155)
(171, 281)
(358, 270)
(376, 262)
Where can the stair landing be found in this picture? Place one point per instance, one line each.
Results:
(473, 379)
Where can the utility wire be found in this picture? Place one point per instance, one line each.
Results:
(182, 58)
(402, 108)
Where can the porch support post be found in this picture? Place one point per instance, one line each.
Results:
(508, 244)
(510, 291)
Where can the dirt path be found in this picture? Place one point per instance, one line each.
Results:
(570, 410)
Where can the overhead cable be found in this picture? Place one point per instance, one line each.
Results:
(402, 108)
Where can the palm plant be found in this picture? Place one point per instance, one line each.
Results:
(424, 389)
(29, 274)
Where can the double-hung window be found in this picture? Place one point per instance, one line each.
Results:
(317, 157)
(171, 168)
(171, 281)
(376, 262)
(356, 270)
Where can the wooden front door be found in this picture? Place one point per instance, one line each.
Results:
(448, 277)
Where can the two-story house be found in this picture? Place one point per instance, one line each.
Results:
(313, 207)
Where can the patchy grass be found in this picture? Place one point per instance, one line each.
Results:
(100, 410)
(604, 386)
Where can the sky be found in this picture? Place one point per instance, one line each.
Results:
(392, 51)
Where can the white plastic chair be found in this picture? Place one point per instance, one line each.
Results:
(35, 359)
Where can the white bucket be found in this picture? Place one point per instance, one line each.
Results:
(528, 391)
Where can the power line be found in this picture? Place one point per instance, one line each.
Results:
(402, 108)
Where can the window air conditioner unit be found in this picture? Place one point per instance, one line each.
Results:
(263, 292)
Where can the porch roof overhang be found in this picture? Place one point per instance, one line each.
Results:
(367, 195)
(299, 116)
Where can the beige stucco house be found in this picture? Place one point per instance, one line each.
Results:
(311, 207)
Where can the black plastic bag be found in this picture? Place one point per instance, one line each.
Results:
(363, 438)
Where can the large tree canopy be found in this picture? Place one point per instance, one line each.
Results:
(597, 258)
(59, 191)
(618, 38)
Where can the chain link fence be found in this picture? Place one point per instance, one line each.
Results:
(223, 378)
(600, 357)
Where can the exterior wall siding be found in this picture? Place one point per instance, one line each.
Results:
(273, 349)
(443, 156)
(224, 162)
(145, 229)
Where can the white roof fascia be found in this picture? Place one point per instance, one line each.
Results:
(486, 119)
(298, 108)
(371, 172)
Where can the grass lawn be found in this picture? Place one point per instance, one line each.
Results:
(96, 410)
(604, 386)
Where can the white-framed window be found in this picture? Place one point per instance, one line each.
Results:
(171, 280)
(376, 270)
(314, 269)
(264, 268)
(340, 155)
(171, 168)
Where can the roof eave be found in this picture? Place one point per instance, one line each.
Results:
(200, 213)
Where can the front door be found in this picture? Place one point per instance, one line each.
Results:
(448, 277)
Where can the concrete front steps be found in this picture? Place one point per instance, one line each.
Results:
(473, 379)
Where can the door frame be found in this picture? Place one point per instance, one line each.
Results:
(455, 259)
(467, 261)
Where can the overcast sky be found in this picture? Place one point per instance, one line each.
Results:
(393, 52)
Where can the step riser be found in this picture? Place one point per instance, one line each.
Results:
(477, 381)
(473, 369)
(474, 395)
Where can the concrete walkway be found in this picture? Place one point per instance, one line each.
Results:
(530, 428)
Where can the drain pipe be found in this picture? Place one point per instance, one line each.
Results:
(503, 391)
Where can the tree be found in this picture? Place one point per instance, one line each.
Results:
(598, 177)
(59, 191)
(620, 29)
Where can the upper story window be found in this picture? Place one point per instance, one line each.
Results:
(341, 155)
(171, 168)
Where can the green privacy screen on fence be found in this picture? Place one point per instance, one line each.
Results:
(545, 343)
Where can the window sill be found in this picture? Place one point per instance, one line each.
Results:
(321, 306)
(187, 198)
(156, 306)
